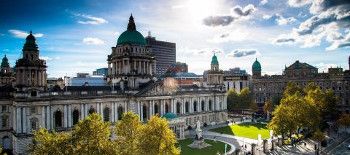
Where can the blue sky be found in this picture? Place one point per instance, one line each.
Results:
(76, 36)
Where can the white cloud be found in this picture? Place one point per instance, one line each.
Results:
(23, 34)
(46, 58)
(298, 3)
(284, 21)
(323, 67)
(263, 2)
(88, 19)
(242, 52)
(93, 41)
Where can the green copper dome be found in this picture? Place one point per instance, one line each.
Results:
(5, 62)
(214, 60)
(256, 66)
(169, 116)
(131, 35)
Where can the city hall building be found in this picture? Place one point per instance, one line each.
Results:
(267, 87)
(28, 105)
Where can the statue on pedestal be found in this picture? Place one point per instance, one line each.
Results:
(199, 131)
(199, 142)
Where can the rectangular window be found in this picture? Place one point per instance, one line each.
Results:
(4, 108)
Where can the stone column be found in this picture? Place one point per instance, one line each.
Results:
(42, 117)
(70, 122)
(116, 112)
(141, 113)
(18, 120)
(113, 68)
(48, 118)
(101, 110)
(113, 110)
(24, 120)
(65, 111)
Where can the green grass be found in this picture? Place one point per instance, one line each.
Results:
(210, 150)
(248, 130)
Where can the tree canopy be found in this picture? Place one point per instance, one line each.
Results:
(94, 136)
(242, 100)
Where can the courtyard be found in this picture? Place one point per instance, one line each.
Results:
(247, 130)
(216, 146)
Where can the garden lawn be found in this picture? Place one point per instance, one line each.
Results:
(216, 146)
(247, 130)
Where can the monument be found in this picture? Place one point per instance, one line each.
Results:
(199, 142)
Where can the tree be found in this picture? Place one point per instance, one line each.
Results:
(128, 133)
(344, 120)
(243, 100)
(157, 138)
(93, 136)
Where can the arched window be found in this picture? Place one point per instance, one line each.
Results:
(34, 124)
(178, 107)
(156, 109)
(144, 112)
(75, 116)
(195, 106)
(106, 114)
(166, 108)
(58, 118)
(6, 142)
(120, 112)
(202, 105)
(210, 105)
(92, 110)
(187, 107)
(4, 120)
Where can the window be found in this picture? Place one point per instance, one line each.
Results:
(4, 120)
(144, 112)
(156, 109)
(4, 108)
(106, 114)
(195, 106)
(92, 110)
(202, 105)
(58, 119)
(120, 112)
(75, 116)
(166, 108)
(187, 107)
(178, 108)
(32, 110)
(210, 105)
(34, 124)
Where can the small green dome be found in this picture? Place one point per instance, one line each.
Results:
(256, 66)
(131, 35)
(214, 60)
(169, 116)
(5, 62)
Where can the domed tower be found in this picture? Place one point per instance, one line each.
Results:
(215, 76)
(131, 63)
(256, 69)
(6, 76)
(30, 70)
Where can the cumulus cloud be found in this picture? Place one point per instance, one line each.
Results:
(263, 2)
(298, 3)
(328, 21)
(237, 12)
(93, 41)
(247, 10)
(242, 52)
(23, 34)
(88, 19)
(218, 20)
(284, 40)
(284, 21)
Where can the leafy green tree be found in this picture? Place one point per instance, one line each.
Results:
(157, 138)
(128, 134)
(243, 100)
(92, 136)
(50, 143)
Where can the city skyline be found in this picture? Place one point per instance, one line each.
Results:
(78, 39)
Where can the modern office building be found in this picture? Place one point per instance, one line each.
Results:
(164, 52)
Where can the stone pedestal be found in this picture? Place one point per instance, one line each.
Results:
(199, 144)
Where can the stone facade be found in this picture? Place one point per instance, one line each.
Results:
(267, 87)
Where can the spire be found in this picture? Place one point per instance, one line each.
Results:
(131, 24)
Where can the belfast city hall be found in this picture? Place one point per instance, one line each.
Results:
(28, 105)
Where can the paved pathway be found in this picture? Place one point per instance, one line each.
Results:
(342, 148)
